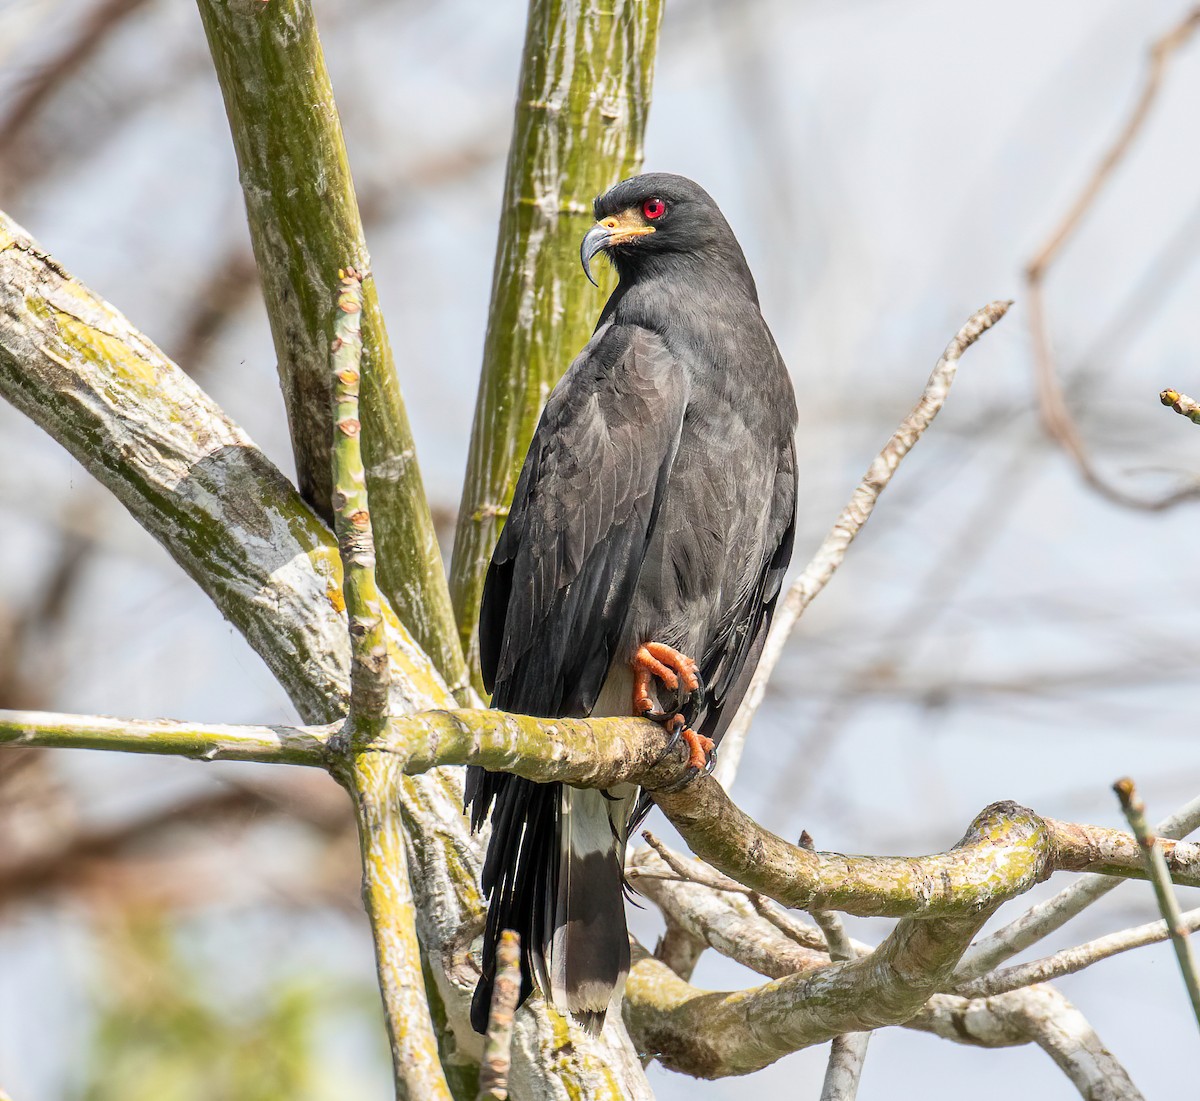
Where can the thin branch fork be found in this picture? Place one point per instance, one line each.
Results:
(1071, 960)
(831, 553)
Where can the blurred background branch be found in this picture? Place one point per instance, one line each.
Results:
(1055, 414)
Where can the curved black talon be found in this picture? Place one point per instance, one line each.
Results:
(660, 717)
(692, 705)
(675, 726)
(711, 763)
(682, 782)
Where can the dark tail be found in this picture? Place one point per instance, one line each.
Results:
(553, 874)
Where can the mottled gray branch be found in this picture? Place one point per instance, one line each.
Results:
(1039, 1015)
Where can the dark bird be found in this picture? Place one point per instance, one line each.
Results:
(637, 572)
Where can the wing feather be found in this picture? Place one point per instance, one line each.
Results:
(558, 590)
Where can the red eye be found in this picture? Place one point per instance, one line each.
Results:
(654, 208)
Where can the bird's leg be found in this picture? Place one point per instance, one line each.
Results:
(655, 659)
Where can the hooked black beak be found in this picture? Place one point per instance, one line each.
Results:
(617, 229)
(595, 240)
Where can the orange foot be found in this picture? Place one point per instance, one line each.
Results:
(699, 747)
(656, 659)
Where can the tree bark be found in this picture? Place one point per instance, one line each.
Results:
(305, 225)
(586, 74)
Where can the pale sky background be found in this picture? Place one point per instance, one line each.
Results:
(999, 632)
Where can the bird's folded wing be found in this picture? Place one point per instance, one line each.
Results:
(565, 567)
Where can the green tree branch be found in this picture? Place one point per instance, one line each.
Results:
(304, 223)
(373, 781)
(586, 75)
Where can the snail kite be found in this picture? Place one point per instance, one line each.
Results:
(637, 571)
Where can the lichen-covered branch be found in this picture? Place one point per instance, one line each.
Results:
(304, 224)
(716, 1034)
(188, 475)
(1010, 848)
(1023, 849)
(191, 477)
(196, 482)
(292, 745)
(703, 899)
(857, 512)
(374, 784)
(581, 113)
(1044, 918)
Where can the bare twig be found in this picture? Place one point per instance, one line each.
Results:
(691, 871)
(844, 1071)
(808, 936)
(1160, 877)
(829, 922)
(832, 551)
(493, 1071)
(352, 517)
(1182, 404)
(1055, 415)
(1070, 960)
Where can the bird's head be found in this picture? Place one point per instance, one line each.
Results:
(642, 221)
